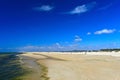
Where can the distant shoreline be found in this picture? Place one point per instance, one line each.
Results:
(114, 54)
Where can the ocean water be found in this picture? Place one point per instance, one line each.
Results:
(10, 67)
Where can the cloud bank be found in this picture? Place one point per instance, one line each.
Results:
(54, 47)
(74, 45)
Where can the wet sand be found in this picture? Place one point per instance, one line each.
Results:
(33, 66)
(78, 66)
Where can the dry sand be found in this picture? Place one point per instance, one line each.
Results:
(78, 66)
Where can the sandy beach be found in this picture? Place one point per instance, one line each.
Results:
(63, 66)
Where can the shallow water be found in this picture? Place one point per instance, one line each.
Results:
(10, 67)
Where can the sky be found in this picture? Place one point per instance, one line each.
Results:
(59, 25)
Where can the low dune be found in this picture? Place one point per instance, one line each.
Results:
(69, 66)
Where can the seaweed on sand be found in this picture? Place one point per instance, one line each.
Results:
(44, 71)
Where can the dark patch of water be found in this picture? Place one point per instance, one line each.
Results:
(10, 67)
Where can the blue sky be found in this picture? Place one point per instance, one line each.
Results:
(57, 25)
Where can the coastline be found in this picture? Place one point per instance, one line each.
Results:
(64, 66)
(38, 70)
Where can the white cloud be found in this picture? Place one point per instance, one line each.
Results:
(82, 8)
(77, 38)
(58, 45)
(79, 10)
(105, 31)
(89, 33)
(44, 8)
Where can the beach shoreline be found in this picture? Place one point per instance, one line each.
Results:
(38, 70)
(67, 66)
